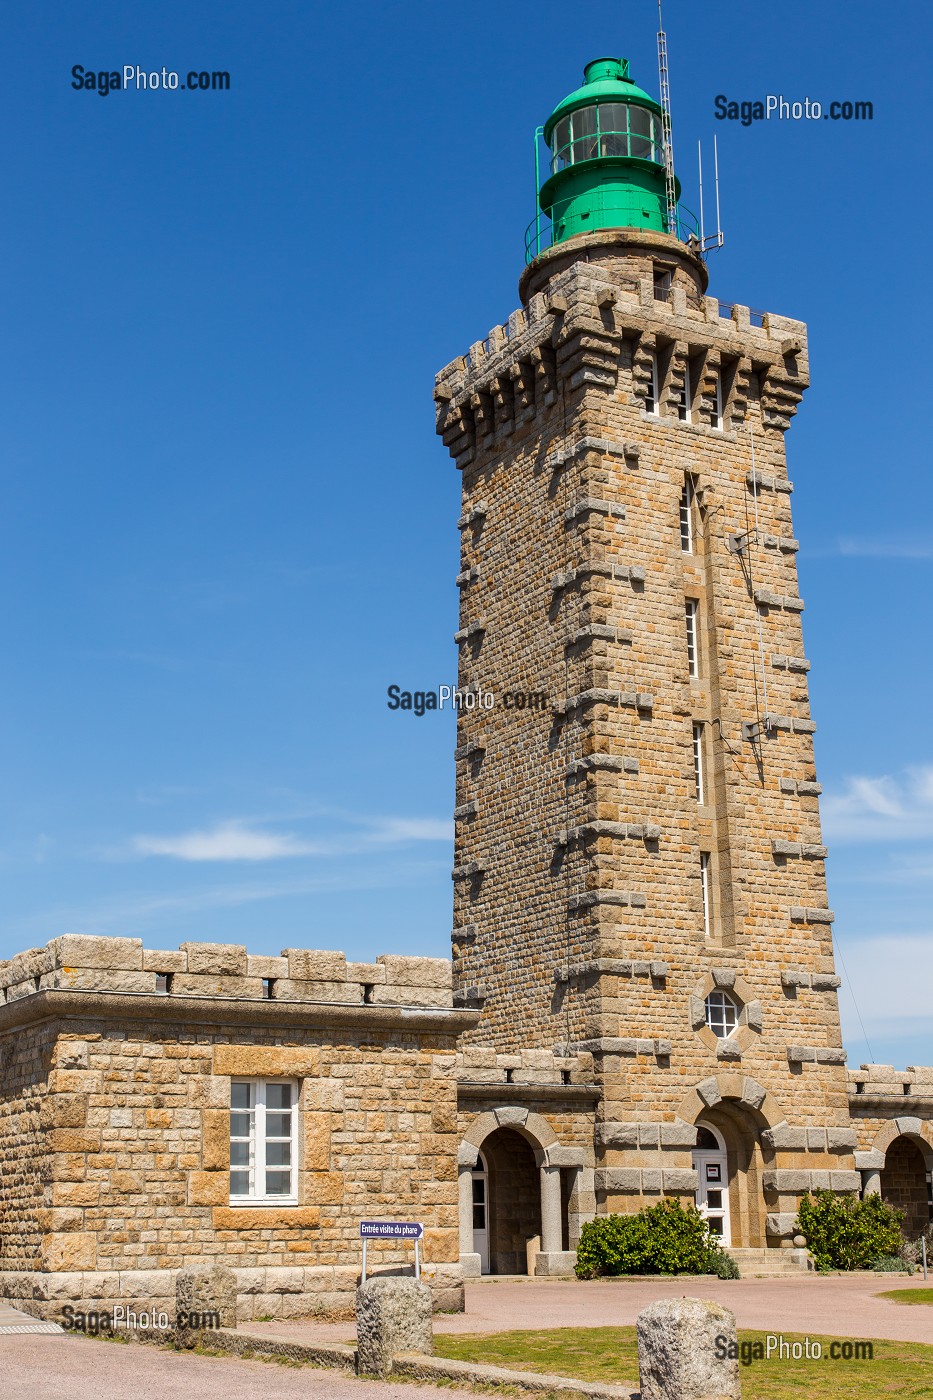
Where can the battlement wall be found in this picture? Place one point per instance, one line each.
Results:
(88, 963)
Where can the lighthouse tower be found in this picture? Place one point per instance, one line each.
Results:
(639, 881)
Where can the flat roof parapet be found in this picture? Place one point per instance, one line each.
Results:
(104, 964)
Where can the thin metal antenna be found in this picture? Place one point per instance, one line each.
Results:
(700, 165)
(720, 238)
(717, 239)
(665, 86)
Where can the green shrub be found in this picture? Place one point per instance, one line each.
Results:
(661, 1239)
(891, 1264)
(722, 1264)
(843, 1233)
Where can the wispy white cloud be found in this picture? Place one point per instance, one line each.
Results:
(885, 808)
(226, 841)
(891, 1004)
(395, 829)
(241, 840)
(879, 547)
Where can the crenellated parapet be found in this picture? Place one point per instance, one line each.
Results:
(78, 962)
(594, 327)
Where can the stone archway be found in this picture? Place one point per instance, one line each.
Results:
(904, 1184)
(899, 1167)
(744, 1116)
(527, 1197)
(514, 1201)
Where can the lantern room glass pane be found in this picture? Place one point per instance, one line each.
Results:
(583, 129)
(613, 129)
(642, 133)
(560, 143)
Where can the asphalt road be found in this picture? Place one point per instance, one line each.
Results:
(78, 1368)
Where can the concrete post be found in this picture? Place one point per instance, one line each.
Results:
(687, 1350)
(205, 1298)
(393, 1315)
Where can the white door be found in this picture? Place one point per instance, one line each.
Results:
(712, 1197)
(481, 1213)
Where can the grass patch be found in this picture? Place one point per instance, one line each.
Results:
(909, 1295)
(610, 1354)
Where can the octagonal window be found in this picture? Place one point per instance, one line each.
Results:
(722, 1014)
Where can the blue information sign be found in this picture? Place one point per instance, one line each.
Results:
(391, 1229)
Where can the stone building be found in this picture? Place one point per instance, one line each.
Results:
(642, 998)
(165, 1109)
(639, 873)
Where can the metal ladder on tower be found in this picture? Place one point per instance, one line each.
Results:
(665, 85)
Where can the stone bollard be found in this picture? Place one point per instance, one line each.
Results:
(392, 1315)
(681, 1342)
(204, 1300)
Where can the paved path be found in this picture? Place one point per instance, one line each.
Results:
(77, 1368)
(13, 1321)
(835, 1307)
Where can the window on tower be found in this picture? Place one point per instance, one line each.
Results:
(687, 498)
(693, 653)
(722, 1014)
(716, 420)
(699, 776)
(707, 894)
(684, 397)
(651, 389)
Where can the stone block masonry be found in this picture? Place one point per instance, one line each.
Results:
(653, 840)
(115, 1123)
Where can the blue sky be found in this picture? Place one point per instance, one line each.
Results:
(227, 524)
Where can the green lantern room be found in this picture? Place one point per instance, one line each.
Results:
(605, 145)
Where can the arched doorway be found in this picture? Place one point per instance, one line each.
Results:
(513, 1201)
(522, 1189)
(711, 1164)
(741, 1159)
(480, 1177)
(905, 1183)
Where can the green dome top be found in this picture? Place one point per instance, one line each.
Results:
(604, 80)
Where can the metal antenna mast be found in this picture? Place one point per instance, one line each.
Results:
(717, 239)
(665, 85)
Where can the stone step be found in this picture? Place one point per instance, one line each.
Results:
(772, 1263)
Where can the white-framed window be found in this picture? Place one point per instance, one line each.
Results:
(707, 907)
(693, 652)
(263, 1141)
(687, 498)
(717, 408)
(684, 400)
(722, 1014)
(699, 776)
(652, 393)
(663, 281)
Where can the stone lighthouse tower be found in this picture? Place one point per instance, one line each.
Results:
(639, 879)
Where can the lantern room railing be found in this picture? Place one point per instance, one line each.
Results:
(540, 232)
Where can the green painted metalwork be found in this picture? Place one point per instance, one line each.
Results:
(606, 160)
